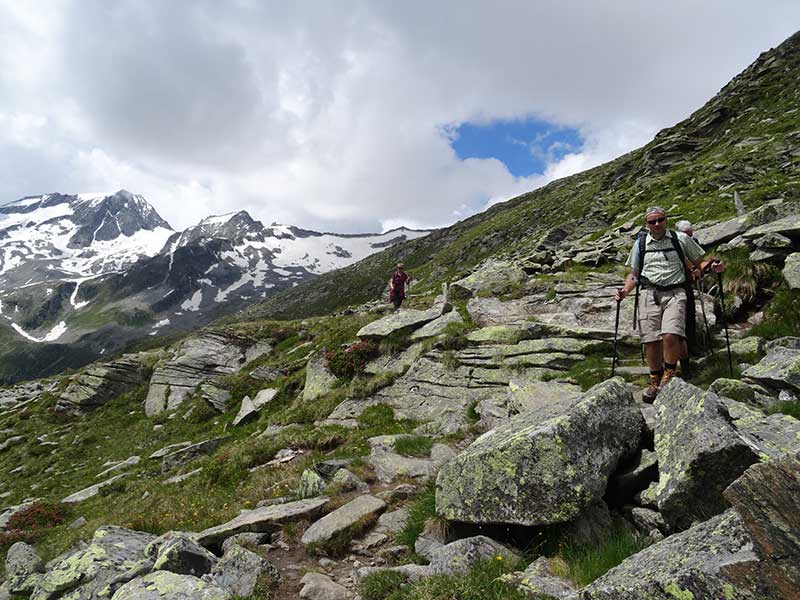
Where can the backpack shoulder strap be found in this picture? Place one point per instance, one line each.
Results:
(677, 245)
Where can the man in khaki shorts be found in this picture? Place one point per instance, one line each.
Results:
(662, 295)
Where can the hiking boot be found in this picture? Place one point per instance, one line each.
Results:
(669, 375)
(651, 391)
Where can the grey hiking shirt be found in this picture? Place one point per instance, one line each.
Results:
(662, 265)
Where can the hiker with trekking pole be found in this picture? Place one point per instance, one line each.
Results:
(663, 265)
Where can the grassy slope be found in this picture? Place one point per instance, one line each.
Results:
(744, 139)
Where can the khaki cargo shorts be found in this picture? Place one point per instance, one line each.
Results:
(661, 312)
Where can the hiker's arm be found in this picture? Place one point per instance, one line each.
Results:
(621, 293)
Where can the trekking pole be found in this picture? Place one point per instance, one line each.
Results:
(705, 318)
(725, 321)
(616, 329)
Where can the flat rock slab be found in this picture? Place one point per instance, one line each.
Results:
(319, 380)
(266, 519)
(187, 454)
(689, 565)
(493, 275)
(540, 469)
(772, 436)
(389, 465)
(404, 319)
(699, 453)
(160, 585)
(791, 271)
(317, 586)
(437, 326)
(788, 226)
(92, 490)
(780, 369)
(388, 363)
(343, 519)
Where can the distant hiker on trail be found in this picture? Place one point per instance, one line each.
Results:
(397, 285)
(662, 263)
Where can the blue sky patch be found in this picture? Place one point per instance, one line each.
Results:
(524, 146)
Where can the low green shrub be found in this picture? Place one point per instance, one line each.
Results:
(591, 371)
(380, 585)
(350, 361)
(789, 407)
(587, 563)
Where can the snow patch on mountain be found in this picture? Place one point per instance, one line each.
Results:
(55, 333)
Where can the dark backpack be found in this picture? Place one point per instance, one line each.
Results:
(691, 321)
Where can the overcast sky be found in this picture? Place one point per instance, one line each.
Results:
(341, 115)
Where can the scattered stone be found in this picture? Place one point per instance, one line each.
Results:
(239, 571)
(329, 468)
(389, 465)
(179, 553)
(128, 462)
(699, 453)
(215, 395)
(250, 408)
(645, 520)
(78, 523)
(558, 461)
(169, 449)
(538, 581)
(791, 271)
(346, 481)
(92, 490)
(265, 519)
(181, 456)
(393, 522)
(343, 518)
(182, 476)
(493, 275)
(311, 484)
(11, 442)
(319, 380)
(460, 556)
(317, 586)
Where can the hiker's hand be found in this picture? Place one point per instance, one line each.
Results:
(620, 294)
(717, 266)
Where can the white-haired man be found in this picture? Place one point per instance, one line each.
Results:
(663, 273)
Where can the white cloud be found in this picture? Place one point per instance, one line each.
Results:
(336, 115)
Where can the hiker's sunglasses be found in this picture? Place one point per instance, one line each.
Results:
(658, 220)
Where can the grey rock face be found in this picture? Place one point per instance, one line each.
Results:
(193, 362)
(389, 465)
(791, 271)
(493, 275)
(460, 556)
(699, 453)
(767, 498)
(97, 385)
(540, 469)
(538, 581)
(266, 519)
(163, 584)
(84, 573)
(687, 565)
(311, 484)
(343, 519)
(321, 587)
(319, 380)
(23, 566)
(753, 395)
(772, 437)
(404, 319)
(239, 571)
(437, 326)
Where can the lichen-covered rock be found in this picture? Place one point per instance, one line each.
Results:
(772, 437)
(195, 361)
(741, 391)
(791, 271)
(460, 556)
(389, 465)
(399, 364)
(265, 519)
(160, 585)
(699, 453)
(342, 519)
(97, 385)
(179, 553)
(23, 568)
(687, 566)
(317, 586)
(779, 369)
(84, 573)
(346, 481)
(319, 380)
(493, 275)
(543, 468)
(401, 321)
(767, 498)
(539, 582)
(787, 226)
(239, 571)
(311, 484)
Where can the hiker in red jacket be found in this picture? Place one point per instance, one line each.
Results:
(397, 285)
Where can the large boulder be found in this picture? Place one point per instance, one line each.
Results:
(772, 437)
(685, 566)
(460, 556)
(492, 276)
(780, 368)
(791, 271)
(84, 573)
(185, 454)
(23, 568)
(699, 453)
(767, 498)
(239, 571)
(160, 585)
(195, 361)
(400, 321)
(543, 467)
(179, 553)
(97, 385)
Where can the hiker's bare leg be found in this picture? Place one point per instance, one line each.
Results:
(654, 355)
(684, 349)
(672, 348)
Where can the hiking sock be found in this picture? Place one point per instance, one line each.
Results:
(667, 366)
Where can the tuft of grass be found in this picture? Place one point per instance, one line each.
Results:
(587, 563)
(376, 416)
(422, 510)
(455, 337)
(782, 317)
(417, 445)
(380, 585)
(472, 412)
(591, 371)
(482, 582)
(747, 279)
(790, 407)
(715, 367)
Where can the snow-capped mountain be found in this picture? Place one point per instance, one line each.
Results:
(99, 270)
